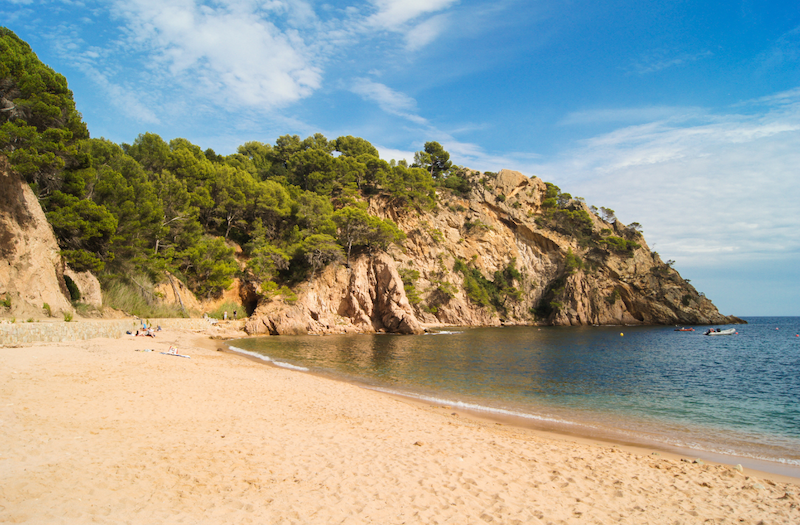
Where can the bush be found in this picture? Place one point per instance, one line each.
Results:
(572, 262)
(477, 226)
(74, 292)
(409, 277)
(126, 293)
(230, 307)
(47, 310)
(496, 292)
(619, 245)
(6, 303)
(67, 316)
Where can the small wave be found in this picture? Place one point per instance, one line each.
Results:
(289, 366)
(268, 359)
(724, 451)
(475, 407)
(444, 332)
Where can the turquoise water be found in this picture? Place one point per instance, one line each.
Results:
(730, 395)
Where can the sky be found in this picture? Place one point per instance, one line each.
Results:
(683, 116)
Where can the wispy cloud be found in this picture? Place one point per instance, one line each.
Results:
(231, 50)
(630, 115)
(388, 100)
(785, 50)
(394, 14)
(398, 15)
(659, 60)
(704, 190)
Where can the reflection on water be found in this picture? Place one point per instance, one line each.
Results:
(736, 394)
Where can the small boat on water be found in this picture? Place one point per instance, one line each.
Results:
(717, 331)
(684, 329)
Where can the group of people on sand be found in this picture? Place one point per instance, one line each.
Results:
(147, 331)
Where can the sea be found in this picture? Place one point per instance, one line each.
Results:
(730, 399)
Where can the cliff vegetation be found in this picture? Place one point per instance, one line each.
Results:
(318, 235)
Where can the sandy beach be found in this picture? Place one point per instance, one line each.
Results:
(98, 432)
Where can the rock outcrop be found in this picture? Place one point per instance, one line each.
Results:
(31, 268)
(603, 275)
(368, 297)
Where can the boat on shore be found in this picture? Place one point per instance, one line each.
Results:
(717, 331)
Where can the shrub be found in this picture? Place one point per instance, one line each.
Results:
(47, 310)
(133, 295)
(496, 292)
(230, 307)
(477, 226)
(67, 316)
(6, 303)
(619, 245)
(409, 277)
(447, 289)
(572, 262)
(74, 292)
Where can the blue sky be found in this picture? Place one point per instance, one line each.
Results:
(682, 116)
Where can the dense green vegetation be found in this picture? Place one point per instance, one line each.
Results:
(494, 293)
(152, 206)
(136, 213)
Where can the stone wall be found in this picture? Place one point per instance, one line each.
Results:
(12, 334)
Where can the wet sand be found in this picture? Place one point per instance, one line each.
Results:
(97, 432)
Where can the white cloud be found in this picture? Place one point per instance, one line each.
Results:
(393, 14)
(130, 103)
(630, 115)
(230, 51)
(707, 192)
(423, 33)
(395, 154)
(660, 59)
(414, 19)
(388, 100)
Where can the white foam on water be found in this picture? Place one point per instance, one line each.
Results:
(666, 440)
(268, 359)
(444, 332)
(475, 407)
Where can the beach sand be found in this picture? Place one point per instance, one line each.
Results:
(96, 432)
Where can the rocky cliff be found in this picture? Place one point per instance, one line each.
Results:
(502, 255)
(31, 269)
(366, 297)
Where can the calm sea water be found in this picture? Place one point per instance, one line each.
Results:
(733, 395)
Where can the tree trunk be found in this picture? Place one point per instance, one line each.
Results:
(177, 293)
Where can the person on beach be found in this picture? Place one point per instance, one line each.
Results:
(234, 315)
(225, 316)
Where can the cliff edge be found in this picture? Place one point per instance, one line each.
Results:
(508, 252)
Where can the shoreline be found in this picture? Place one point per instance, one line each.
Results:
(98, 432)
(562, 431)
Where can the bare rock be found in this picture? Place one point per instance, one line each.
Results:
(367, 298)
(31, 269)
(88, 286)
